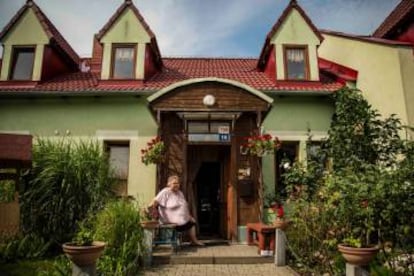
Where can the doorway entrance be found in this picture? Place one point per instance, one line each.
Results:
(208, 194)
(209, 177)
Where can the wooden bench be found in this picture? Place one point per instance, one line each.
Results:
(261, 234)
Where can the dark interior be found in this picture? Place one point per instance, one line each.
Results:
(208, 195)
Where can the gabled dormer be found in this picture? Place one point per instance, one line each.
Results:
(290, 49)
(33, 49)
(125, 48)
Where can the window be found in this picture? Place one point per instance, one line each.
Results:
(315, 153)
(119, 161)
(296, 63)
(208, 131)
(22, 63)
(123, 62)
(285, 156)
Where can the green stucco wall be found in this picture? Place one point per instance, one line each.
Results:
(81, 116)
(407, 76)
(292, 118)
(300, 114)
(385, 72)
(103, 118)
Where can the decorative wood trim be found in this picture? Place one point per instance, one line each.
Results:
(221, 81)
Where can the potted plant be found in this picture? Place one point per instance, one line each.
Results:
(83, 251)
(280, 221)
(356, 208)
(149, 218)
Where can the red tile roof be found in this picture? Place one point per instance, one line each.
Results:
(179, 69)
(292, 5)
(403, 12)
(129, 4)
(53, 34)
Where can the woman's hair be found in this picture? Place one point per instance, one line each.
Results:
(172, 178)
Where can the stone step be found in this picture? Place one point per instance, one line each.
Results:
(210, 254)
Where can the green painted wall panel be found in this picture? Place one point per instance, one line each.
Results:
(299, 114)
(82, 116)
(293, 116)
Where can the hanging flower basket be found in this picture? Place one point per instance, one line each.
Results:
(260, 145)
(154, 152)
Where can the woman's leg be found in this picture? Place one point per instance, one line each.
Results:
(193, 237)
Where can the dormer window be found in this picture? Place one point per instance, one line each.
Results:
(22, 63)
(296, 62)
(123, 61)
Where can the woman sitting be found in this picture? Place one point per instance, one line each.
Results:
(173, 208)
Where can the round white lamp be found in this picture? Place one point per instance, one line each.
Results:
(209, 100)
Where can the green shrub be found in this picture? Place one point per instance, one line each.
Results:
(59, 266)
(364, 197)
(27, 247)
(7, 190)
(118, 224)
(68, 179)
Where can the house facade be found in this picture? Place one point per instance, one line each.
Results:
(384, 62)
(202, 108)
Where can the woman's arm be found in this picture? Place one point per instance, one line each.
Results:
(154, 203)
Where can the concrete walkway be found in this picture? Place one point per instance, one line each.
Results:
(220, 269)
(216, 258)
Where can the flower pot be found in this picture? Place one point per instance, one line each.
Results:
(280, 224)
(83, 255)
(358, 256)
(149, 224)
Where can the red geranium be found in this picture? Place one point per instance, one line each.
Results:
(260, 145)
(154, 152)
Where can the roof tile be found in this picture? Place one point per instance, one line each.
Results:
(178, 69)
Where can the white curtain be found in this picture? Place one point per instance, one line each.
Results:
(124, 54)
(296, 55)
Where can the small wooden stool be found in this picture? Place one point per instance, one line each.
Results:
(167, 234)
(262, 232)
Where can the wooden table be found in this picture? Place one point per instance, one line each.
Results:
(258, 233)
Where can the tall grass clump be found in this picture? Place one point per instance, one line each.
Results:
(68, 179)
(118, 224)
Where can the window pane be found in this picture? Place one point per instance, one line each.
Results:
(119, 160)
(314, 152)
(22, 63)
(198, 127)
(296, 64)
(124, 63)
(285, 156)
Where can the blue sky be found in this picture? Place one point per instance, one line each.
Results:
(204, 28)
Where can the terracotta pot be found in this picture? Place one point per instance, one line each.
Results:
(83, 255)
(358, 256)
(281, 224)
(149, 224)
